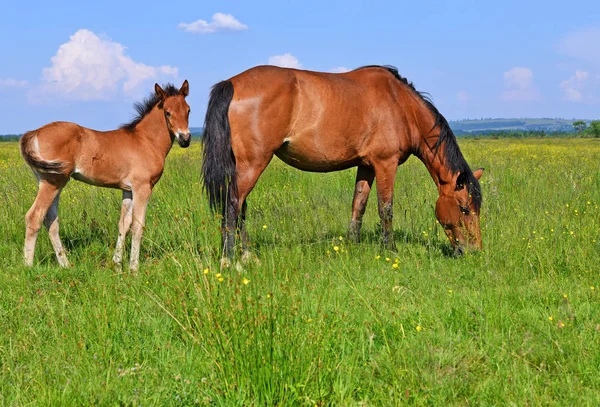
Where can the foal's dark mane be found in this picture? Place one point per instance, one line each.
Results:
(454, 157)
(145, 106)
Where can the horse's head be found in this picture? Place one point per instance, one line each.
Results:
(457, 209)
(177, 113)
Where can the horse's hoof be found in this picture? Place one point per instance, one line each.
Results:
(238, 267)
(225, 263)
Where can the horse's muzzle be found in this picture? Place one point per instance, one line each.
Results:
(184, 140)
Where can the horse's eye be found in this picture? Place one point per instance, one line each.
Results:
(168, 114)
(464, 210)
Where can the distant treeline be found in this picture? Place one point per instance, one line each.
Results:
(496, 134)
(10, 137)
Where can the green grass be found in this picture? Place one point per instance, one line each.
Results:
(518, 324)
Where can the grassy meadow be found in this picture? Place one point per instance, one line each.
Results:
(319, 321)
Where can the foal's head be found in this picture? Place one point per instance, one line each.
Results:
(457, 209)
(177, 112)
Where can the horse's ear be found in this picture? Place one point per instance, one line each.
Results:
(478, 172)
(461, 181)
(185, 89)
(159, 92)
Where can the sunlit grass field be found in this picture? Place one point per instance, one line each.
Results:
(319, 321)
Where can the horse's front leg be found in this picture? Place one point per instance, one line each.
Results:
(124, 225)
(385, 172)
(141, 195)
(364, 181)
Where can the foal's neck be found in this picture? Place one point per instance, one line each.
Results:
(153, 129)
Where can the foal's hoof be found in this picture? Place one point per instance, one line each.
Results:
(64, 264)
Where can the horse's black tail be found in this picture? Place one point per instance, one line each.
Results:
(218, 164)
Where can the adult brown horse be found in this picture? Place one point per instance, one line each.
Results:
(370, 117)
(131, 159)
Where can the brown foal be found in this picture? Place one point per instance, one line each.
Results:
(131, 159)
(370, 118)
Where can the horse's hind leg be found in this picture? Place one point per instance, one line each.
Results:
(45, 198)
(247, 174)
(364, 181)
(51, 223)
(243, 232)
(124, 225)
(386, 175)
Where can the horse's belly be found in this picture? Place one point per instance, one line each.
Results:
(308, 157)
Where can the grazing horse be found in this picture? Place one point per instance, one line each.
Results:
(131, 158)
(370, 118)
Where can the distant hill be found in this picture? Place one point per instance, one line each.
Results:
(483, 126)
(196, 131)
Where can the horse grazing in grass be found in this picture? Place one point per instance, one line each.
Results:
(370, 118)
(131, 158)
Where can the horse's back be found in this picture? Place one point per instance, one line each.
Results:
(315, 121)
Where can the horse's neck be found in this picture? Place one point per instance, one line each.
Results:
(434, 160)
(153, 131)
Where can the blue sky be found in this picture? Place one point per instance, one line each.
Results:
(87, 62)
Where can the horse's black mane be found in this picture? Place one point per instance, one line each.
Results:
(145, 106)
(454, 157)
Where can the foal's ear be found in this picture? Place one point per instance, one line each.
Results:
(185, 89)
(478, 172)
(159, 92)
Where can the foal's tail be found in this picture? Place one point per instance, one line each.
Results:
(218, 164)
(30, 150)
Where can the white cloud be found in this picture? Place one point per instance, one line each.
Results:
(285, 61)
(90, 68)
(582, 44)
(12, 83)
(518, 85)
(581, 87)
(339, 69)
(463, 96)
(574, 86)
(220, 22)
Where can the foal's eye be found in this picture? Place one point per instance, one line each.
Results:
(168, 114)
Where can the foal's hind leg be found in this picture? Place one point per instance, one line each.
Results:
(124, 225)
(364, 181)
(386, 175)
(51, 223)
(47, 193)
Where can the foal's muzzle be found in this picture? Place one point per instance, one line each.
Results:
(184, 139)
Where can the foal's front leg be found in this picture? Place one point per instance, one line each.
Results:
(124, 225)
(141, 195)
